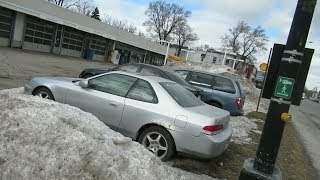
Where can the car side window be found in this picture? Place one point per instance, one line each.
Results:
(200, 79)
(183, 74)
(116, 84)
(129, 68)
(143, 91)
(150, 71)
(223, 84)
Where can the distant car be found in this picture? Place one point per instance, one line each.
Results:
(146, 69)
(259, 78)
(219, 91)
(158, 113)
(315, 100)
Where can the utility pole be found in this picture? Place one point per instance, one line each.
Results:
(263, 166)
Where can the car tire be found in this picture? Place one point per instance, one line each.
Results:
(44, 93)
(158, 141)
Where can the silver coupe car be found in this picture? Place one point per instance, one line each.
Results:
(158, 113)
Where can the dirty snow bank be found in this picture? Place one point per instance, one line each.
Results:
(42, 139)
(242, 127)
(212, 68)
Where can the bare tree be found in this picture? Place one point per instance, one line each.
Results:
(80, 6)
(57, 2)
(163, 18)
(245, 41)
(183, 36)
(121, 24)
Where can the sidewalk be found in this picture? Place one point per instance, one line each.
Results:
(309, 132)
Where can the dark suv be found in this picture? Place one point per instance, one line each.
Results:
(218, 91)
(145, 69)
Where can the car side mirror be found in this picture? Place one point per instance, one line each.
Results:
(84, 83)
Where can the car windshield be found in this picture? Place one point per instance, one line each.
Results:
(182, 96)
(176, 78)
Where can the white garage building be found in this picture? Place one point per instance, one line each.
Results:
(41, 26)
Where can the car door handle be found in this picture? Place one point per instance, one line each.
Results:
(114, 104)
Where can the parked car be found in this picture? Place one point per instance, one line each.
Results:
(219, 91)
(146, 69)
(158, 113)
(315, 100)
(259, 78)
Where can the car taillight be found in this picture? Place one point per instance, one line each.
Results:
(239, 102)
(214, 129)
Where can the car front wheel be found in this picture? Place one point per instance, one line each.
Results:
(159, 141)
(44, 93)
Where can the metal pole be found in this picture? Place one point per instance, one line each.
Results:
(264, 80)
(187, 55)
(224, 58)
(166, 57)
(263, 166)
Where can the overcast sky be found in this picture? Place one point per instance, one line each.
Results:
(211, 19)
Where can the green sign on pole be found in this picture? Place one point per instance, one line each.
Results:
(284, 87)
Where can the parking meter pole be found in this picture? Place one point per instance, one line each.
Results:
(263, 166)
(264, 81)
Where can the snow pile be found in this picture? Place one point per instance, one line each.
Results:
(212, 68)
(242, 127)
(42, 139)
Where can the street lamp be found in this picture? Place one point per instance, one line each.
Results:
(166, 57)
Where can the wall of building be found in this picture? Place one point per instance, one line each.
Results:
(32, 33)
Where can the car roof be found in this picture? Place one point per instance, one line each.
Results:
(142, 76)
(161, 68)
(204, 72)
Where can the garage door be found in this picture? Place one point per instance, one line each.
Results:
(6, 19)
(98, 45)
(72, 42)
(38, 34)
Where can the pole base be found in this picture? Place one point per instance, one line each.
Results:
(249, 173)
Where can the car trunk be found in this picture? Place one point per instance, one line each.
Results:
(219, 116)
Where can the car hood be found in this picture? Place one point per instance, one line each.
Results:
(64, 79)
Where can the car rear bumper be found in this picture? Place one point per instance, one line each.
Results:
(203, 146)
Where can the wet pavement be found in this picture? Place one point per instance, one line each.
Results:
(306, 120)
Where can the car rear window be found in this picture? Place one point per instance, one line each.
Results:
(223, 84)
(182, 96)
(239, 87)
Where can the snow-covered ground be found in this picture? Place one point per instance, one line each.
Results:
(241, 125)
(42, 139)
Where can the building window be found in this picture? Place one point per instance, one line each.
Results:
(72, 39)
(38, 31)
(6, 17)
(214, 60)
(98, 44)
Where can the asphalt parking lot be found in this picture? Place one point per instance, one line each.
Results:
(18, 66)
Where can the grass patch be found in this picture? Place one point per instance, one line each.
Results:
(291, 158)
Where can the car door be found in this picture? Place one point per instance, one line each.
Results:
(140, 108)
(104, 97)
(204, 82)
